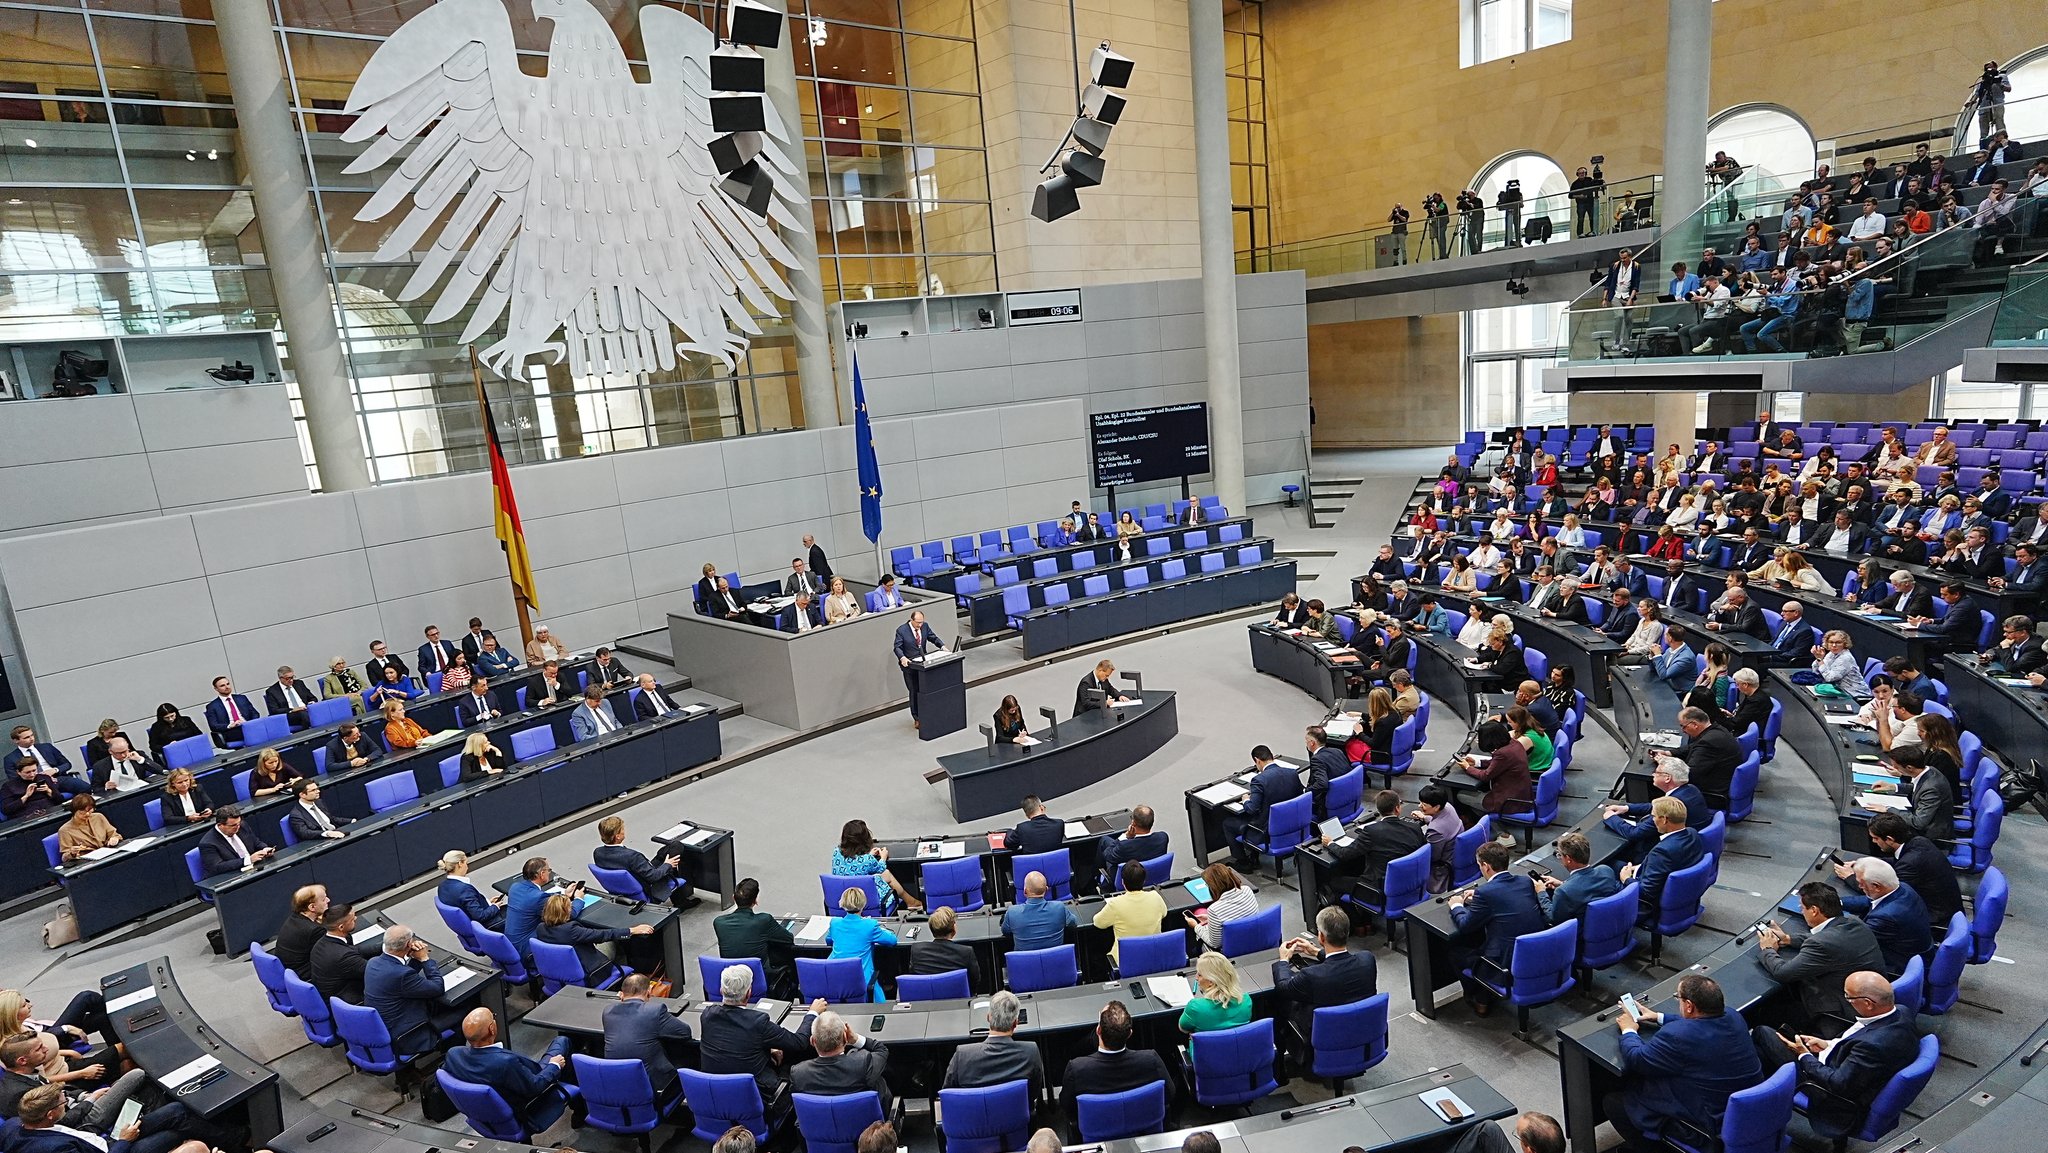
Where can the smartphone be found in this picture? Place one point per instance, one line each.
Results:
(875, 1026)
(1137, 988)
(1634, 1007)
(1451, 1110)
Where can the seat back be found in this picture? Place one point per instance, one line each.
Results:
(618, 1094)
(1084, 559)
(1094, 586)
(834, 886)
(1030, 970)
(1346, 1040)
(1758, 1116)
(834, 1124)
(712, 969)
(1230, 534)
(364, 1037)
(458, 922)
(949, 986)
(1769, 747)
(263, 730)
(618, 882)
(1679, 907)
(1173, 570)
(1742, 790)
(389, 792)
(1346, 798)
(1465, 851)
(994, 1119)
(1159, 869)
(1006, 576)
(1407, 882)
(1252, 934)
(481, 1106)
(270, 974)
(958, 883)
(1132, 1113)
(1607, 929)
(1043, 567)
(498, 947)
(1945, 975)
(52, 853)
(1716, 837)
(1543, 963)
(1212, 562)
(311, 1008)
(1057, 594)
(1233, 1066)
(153, 813)
(187, 752)
(1152, 953)
(1157, 546)
(1057, 867)
(557, 964)
(1899, 1092)
(1287, 824)
(1016, 602)
(1909, 988)
(837, 979)
(1136, 577)
(1987, 914)
(1974, 855)
(327, 712)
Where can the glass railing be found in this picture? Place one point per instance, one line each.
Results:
(1952, 135)
(1665, 330)
(1718, 222)
(1620, 206)
(2022, 316)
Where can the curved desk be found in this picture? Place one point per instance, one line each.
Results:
(1441, 671)
(908, 856)
(2006, 1111)
(1051, 628)
(2008, 714)
(1298, 660)
(1075, 753)
(150, 1015)
(985, 608)
(1586, 649)
(1835, 753)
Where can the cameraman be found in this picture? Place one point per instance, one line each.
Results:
(1989, 95)
(1586, 192)
(1474, 211)
(1399, 219)
(1510, 203)
(1438, 215)
(1725, 170)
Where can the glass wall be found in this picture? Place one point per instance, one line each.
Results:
(1251, 187)
(1506, 351)
(125, 207)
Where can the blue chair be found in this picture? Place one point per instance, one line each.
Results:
(559, 969)
(153, 813)
(1006, 576)
(1085, 559)
(965, 586)
(458, 922)
(1043, 567)
(1212, 562)
(323, 713)
(1158, 870)
(1157, 546)
(1346, 1040)
(1945, 975)
(719, 1101)
(1057, 866)
(1909, 989)
(1230, 534)
(618, 882)
(1030, 970)
(1173, 570)
(1095, 586)
(364, 1038)
(950, 986)
(1715, 838)
(241, 785)
(311, 1009)
(1287, 826)
(1607, 929)
(994, 1119)
(197, 873)
(957, 883)
(451, 771)
(530, 743)
(1755, 1121)
(1540, 971)
(1252, 934)
(1406, 885)
(52, 853)
(620, 1097)
(1233, 1066)
(1136, 577)
(839, 980)
(712, 968)
(1549, 787)
(188, 752)
(1153, 953)
(1465, 851)
(392, 791)
(1987, 913)
(1016, 602)
(1110, 1116)
(963, 551)
(834, 1124)
(498, 947)
(1988, 816)
(834, 886)
(270, 974)
(1742, 789)
(1346, 798)
(264, 730)
(1680, 906)
(486, 1112)
(1897, 1094)
(1056, 594)
(1776, 722)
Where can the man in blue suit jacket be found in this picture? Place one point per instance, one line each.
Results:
(1632, 822)
(637, 1029)
(403, 985)
(1677, 847)
(1841, 1080)
(801, 616)
(1138, 842)
(226, 712)
(1895, 913)
(1272, 783)
(1583, 883)
(458, 893)
(27, 748)
(1338, 977)
(1792, 644)
(914, 640)
(523, 902)
(1494, 912)
(594, 716)
(1686, 1070)
(1673, 667)
(533, 1089)
(1628, 576)
(436, 654)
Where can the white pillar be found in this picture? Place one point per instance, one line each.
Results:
(1688, 65)
(807, 311)
(291, 240)
(1219, 250)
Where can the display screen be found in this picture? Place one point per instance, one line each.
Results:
(1144, 444)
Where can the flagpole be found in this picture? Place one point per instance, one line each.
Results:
(519, 605)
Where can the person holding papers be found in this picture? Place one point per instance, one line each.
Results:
(1930, 801)
(593, 718)
(86, 831)
(401, 731)
(913, 640)
(1102, 681)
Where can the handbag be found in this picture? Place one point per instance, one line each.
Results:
(61, 929)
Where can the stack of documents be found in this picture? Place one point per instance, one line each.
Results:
(814, 930)
(1171, 988)
(1890, 802)
(1221, 793)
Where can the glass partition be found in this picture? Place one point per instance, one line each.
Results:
(2022, 316)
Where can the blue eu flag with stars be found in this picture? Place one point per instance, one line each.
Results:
(864, 455)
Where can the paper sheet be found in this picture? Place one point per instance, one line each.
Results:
(952, 850)
(1843, 720)
(700, 838)
(456, 977)
(815, 928)
(1890, 802)
(367, 933)
(1076, 830)
(676, 832)
(186, 1072)
(1220, 793)
(140, 996)
(103, 854)
(137, 844)
(1171, 988)
(1436, 1099)
(1024, 739)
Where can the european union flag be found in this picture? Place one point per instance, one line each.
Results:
(864, 456)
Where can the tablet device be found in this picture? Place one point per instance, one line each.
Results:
(1331, 828)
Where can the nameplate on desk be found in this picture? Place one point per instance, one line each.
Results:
(940, 850)
(138, 997)
(187, 1071)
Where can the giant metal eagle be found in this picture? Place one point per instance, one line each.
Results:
(587, 200)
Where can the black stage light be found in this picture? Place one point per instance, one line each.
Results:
(1055, 198)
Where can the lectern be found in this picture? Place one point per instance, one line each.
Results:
(941, 695)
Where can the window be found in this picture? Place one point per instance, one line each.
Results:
(1506, 351)
(1762, 136)
(1538, 176)
(1959, 399)
(1491, 29)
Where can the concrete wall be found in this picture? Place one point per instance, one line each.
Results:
(1136, 345)
(617, 542)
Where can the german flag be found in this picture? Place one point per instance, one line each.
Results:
(511, 537)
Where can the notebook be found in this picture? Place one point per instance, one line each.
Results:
(1198, 889)
(1171, 988)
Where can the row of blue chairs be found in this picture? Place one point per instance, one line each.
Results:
(991, 545)
(1017, 598)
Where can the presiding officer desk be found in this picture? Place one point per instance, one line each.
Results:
(386, 849)
(1070, 755)
(149, 873)
(985, 607)
(150, 1016)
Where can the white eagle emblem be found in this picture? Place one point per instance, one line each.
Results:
(584, 200)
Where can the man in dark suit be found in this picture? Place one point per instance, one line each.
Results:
(1677, 847)
(1564, 898)
(1272, 783)
(1920, 863)
(746, 932)
(1752, 705)
(1711, 752)
(2019, 652)
(1114, 1067)
(802, 580)
(380, 658)
(36, 774)
(1002, 1057)
(801, 616)
(1501, 907)
(815, 554)
(350, 749)
(226, 712)
(1363, 854)
(2029, 579)
(1841, 1080)
(1292, 614)
(1686, 1070)
(1959, 628)
(846, 1062)
(1739, 616)
(435, 655)
(533, 1089)
(473, 640)
(1767, 430)
(649, 701)
(1842, 536)
(1330, 974)
(636, 1029)
(1931, 800)
(290, 698)
(554, 688)
(1326, 762)
(914, 638)
(1039, 832)
(1101, 680)
(47, 1120)
(309, 820)
(1628, 576)
(657, 881)
(1632, 823)
(1393, 654)
(1896, 915)
(943, 954)
(1905, 598)
(1792, 644)
(1974, 559)
(336, 967)
(1138, 842)
(1753, 553)
(737, 1038)
(1622, 617)
(478, 705)
(1816, 964)
(228, 847)
(403, 984)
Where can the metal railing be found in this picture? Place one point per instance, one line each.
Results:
(1951, 135)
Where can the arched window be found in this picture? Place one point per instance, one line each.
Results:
(1540, 177)
(2026, 106)
(1766, 136)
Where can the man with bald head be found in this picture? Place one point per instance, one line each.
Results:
(532, 1088)
(1036, 922)
(1842, 1077)
(404, 986)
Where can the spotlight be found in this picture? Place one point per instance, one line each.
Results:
(986, 317)
(1092, 135)
(757, 25)
(1084, 170)
(1055, 198)
(740, 113)
(1108, 67)
(856, 331)
(729, 152)
(228, 373)
(751, 186)
(737, 68)
(1099, 103)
